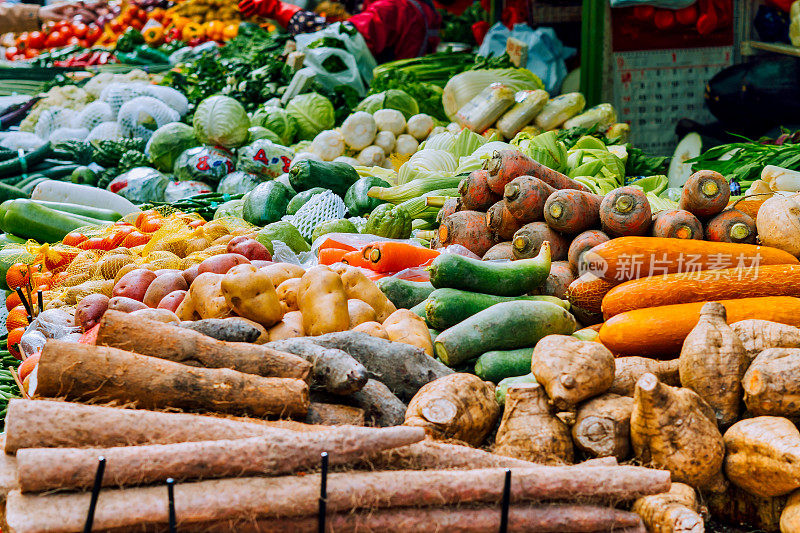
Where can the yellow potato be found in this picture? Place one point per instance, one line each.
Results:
(407, 327)
(287, 294)
(360, 312)
(289, 328)
(359, 286)
(250, 293)
(323, 302)
(204, 299)
(372, 328)
(280, 272)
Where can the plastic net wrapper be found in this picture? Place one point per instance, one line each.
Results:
(92, 115)
(133, 116)
(21, 140)
(321, 208)
(174, 99)
(106, 131)
(118, 94)
(68, 134)
(52, 119)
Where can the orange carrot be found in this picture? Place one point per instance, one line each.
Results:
(329, 256)
(506, 165)
(582, 244)
(570, 211)
(331, 243)
(625, 211)
(475, 192)
(705, 194)
(529, 238)
(501, 222)
(731, 226)
(467, 228)
(356, 259)
(676, 224)
(392, 256)
(451, 205)
(525, 197)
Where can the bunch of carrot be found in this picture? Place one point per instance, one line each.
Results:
(382, 257)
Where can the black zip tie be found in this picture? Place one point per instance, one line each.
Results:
(173, 526)
(40, 299)
(323, 493)
(98, 482)
(506, 501)
(25, 301)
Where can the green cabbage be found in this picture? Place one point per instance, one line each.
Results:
(260, 132)
(208, 164)
(221, 121)
(390, 99)
(238, 183)
(278, 121)
(312, 113)
(167, 143)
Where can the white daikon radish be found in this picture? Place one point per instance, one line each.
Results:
(778, 223)
(72, 193)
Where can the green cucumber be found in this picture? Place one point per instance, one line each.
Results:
(333, 175)
(59, 171)
(28, 187)
(404, 294)
(448, 307)
(512, 278)
(504, 326)
(30, 220)
(26, 162)
(9, 192)
(31, 177)
(97, 213)
(497, 365)
(419, 309)
(502, 388)
(266, 203)
(7, 238)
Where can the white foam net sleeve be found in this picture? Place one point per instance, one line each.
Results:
(106, 131)
(173, 98)
(117, 94)
(51, 119)
(15, 140)
(93, 114)
(134, 114)
(98, 82)
(68, 134)
(322, 207)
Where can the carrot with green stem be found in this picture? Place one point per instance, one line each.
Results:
(475, 192)
(525, 197)
(570, 211)
(705, 194)
(731, 226)
(501, 222)
(625, 211)
(676, 224)
(506, 165)
(393, 256)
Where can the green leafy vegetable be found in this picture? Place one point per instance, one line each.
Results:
(222, 121)
(312, 113)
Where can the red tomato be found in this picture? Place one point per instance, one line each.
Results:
(22, 39)
(65, 30)
(117, 237)
(74, 41)
(74, 238)
(30, 53)
(79, 29)
(93, 33)
(136, 23)
(117, 25)
(11, 52)
(135, 238)
(54, 40)
(35, 40)
(14, 337)
(83, 43)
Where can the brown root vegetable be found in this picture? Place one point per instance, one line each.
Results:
(451, 205)
(572, 370)
(603, 426)
(90, 310)
(758, 335)
(467, 228)
(673, 428)
(763, 454)
(529, 431)
(81, 372)
(287, 294)
(625, 211)
(502, 251)
(322, 301)
(435, 455)
(289, 328)
(381, 406)
(676, 224)
(525, 197)
(790, 517)
(501, 222)
(458, 406)
(732, 226)
(581, 244)
(333, 370)
(770, 384)
(159, 315)
(528, 241)
(740, 508)
(405, 369)
(250, 293)
(628, 370)
(475, 192)
(676, 511)
(155, 339)
(705, 194)
(298, 496)
(232, 329)
(359, 286)
(44, 469)
(375, 329)
(505, 165)
(712, 363)
(359, 312)
(569, 211)
(408, 327)
(558, 280)
(331, 414)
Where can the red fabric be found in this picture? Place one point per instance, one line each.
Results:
(283, 13)
(785, 5)
(479, 31)
(457, 8)
(396, 25)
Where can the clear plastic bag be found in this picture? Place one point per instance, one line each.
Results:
(141, 184)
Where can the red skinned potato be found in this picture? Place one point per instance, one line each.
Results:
(190, 273)
(125, 305)
(134, 284)
(220, 264)
(163, 285)
(250, 248)
(90, 310)
(172, 300)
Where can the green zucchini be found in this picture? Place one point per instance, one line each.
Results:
(448, 307)
(9, 192)
(502, 388)
(7, 238)
(59, 171)
(419, 309)
(402, 293)
(497, 365)
(31, 177)
(512, 278)
(28, 187)
(504, 326)
(333, 175)
(18, 165)
(97, 213)
(30, 220)
(266, 203)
